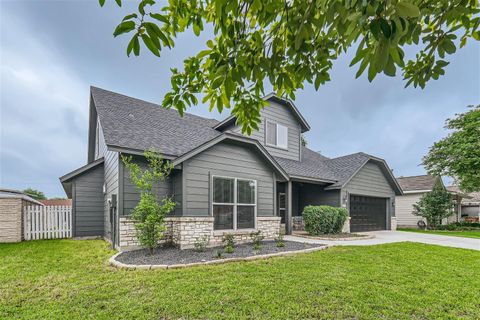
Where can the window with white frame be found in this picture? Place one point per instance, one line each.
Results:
(234, 203)
(276, 135)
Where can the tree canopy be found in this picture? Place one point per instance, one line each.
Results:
(292, 42)
(458, 155)
(35, 194)
(434, 206)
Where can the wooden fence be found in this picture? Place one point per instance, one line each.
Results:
(47, 222)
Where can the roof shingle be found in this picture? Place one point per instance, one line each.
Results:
(415, 183)
(139, 125)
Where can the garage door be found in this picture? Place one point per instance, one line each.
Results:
(367, 213)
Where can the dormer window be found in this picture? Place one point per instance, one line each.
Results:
(276, 135)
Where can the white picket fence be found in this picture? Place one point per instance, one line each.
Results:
(47, 222)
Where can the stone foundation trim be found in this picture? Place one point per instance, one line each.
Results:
(113, 262)
(393, 223)
(346, 225)
(185, 231)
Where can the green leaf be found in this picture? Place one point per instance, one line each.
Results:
(101, 2)
(375, 29)
(130, 16)
(371, 72)
(362, 68)
(150, 45)
(299, 38)
(390, 68)
(159, 17)
(136, 46)
(385, 26)
(476, 35)
(119, 2)
(196, 29)
(380, 57)
(124, 27)
(407, 10)
(449, 46)
(131, 45)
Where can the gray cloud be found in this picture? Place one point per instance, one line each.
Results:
(51, 52)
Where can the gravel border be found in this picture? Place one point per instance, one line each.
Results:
(242, 253)
(349, 238)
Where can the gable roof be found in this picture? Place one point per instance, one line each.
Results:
(136, 125)
(269, 97)
(132, 125)
(337, 171)
(424, 183)
(237, 138)
(66, 180)
(472, 198)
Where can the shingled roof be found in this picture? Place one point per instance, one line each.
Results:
(139, 125)
(417, 183)
(136, 125)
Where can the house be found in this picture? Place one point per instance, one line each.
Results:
(414, 187)
(57, 202)
(12, 204)
(222, 180)
(470, 204)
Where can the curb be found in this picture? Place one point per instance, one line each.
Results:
(362, 237)
(117, 264)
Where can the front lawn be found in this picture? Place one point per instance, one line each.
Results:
(466, 233)
(67, 279)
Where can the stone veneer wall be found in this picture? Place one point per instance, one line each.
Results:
(298, 224)
(11, 226)
(393, 223)
(184, 231)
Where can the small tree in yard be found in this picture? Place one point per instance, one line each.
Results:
(434, 206)
(149, 214)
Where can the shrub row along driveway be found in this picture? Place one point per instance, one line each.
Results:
(382, 237)
(59, 279)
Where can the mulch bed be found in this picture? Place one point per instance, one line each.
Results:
(174, 256)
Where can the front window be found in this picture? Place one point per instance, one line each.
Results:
(234, 203)
(276, 135)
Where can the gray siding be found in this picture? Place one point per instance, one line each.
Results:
(404, 210)
(177, 191)
(315, 195)
(230, 160)
(110, 177)
(88, 203)
(281, 114)
(370, 181)
(131, 195)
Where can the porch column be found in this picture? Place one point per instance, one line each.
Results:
(288, 216)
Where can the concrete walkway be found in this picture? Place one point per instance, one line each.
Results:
(382, 237)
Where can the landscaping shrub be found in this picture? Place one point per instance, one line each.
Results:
(324, 219)
(200, 245)
(257, 238)
(460, 226)
(229, 240)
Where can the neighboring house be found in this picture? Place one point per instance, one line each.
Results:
(12, 203)
(470, 204)
(222, 180)
(57, 202)
(414, 188)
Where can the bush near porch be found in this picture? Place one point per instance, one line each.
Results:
(324, 219)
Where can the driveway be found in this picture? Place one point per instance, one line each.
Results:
(382, 237)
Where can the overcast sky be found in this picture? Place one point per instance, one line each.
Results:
(52, 51)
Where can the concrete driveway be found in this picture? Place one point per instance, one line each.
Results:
(382, 237)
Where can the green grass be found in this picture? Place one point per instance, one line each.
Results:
(466, 234)
(67, 279)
